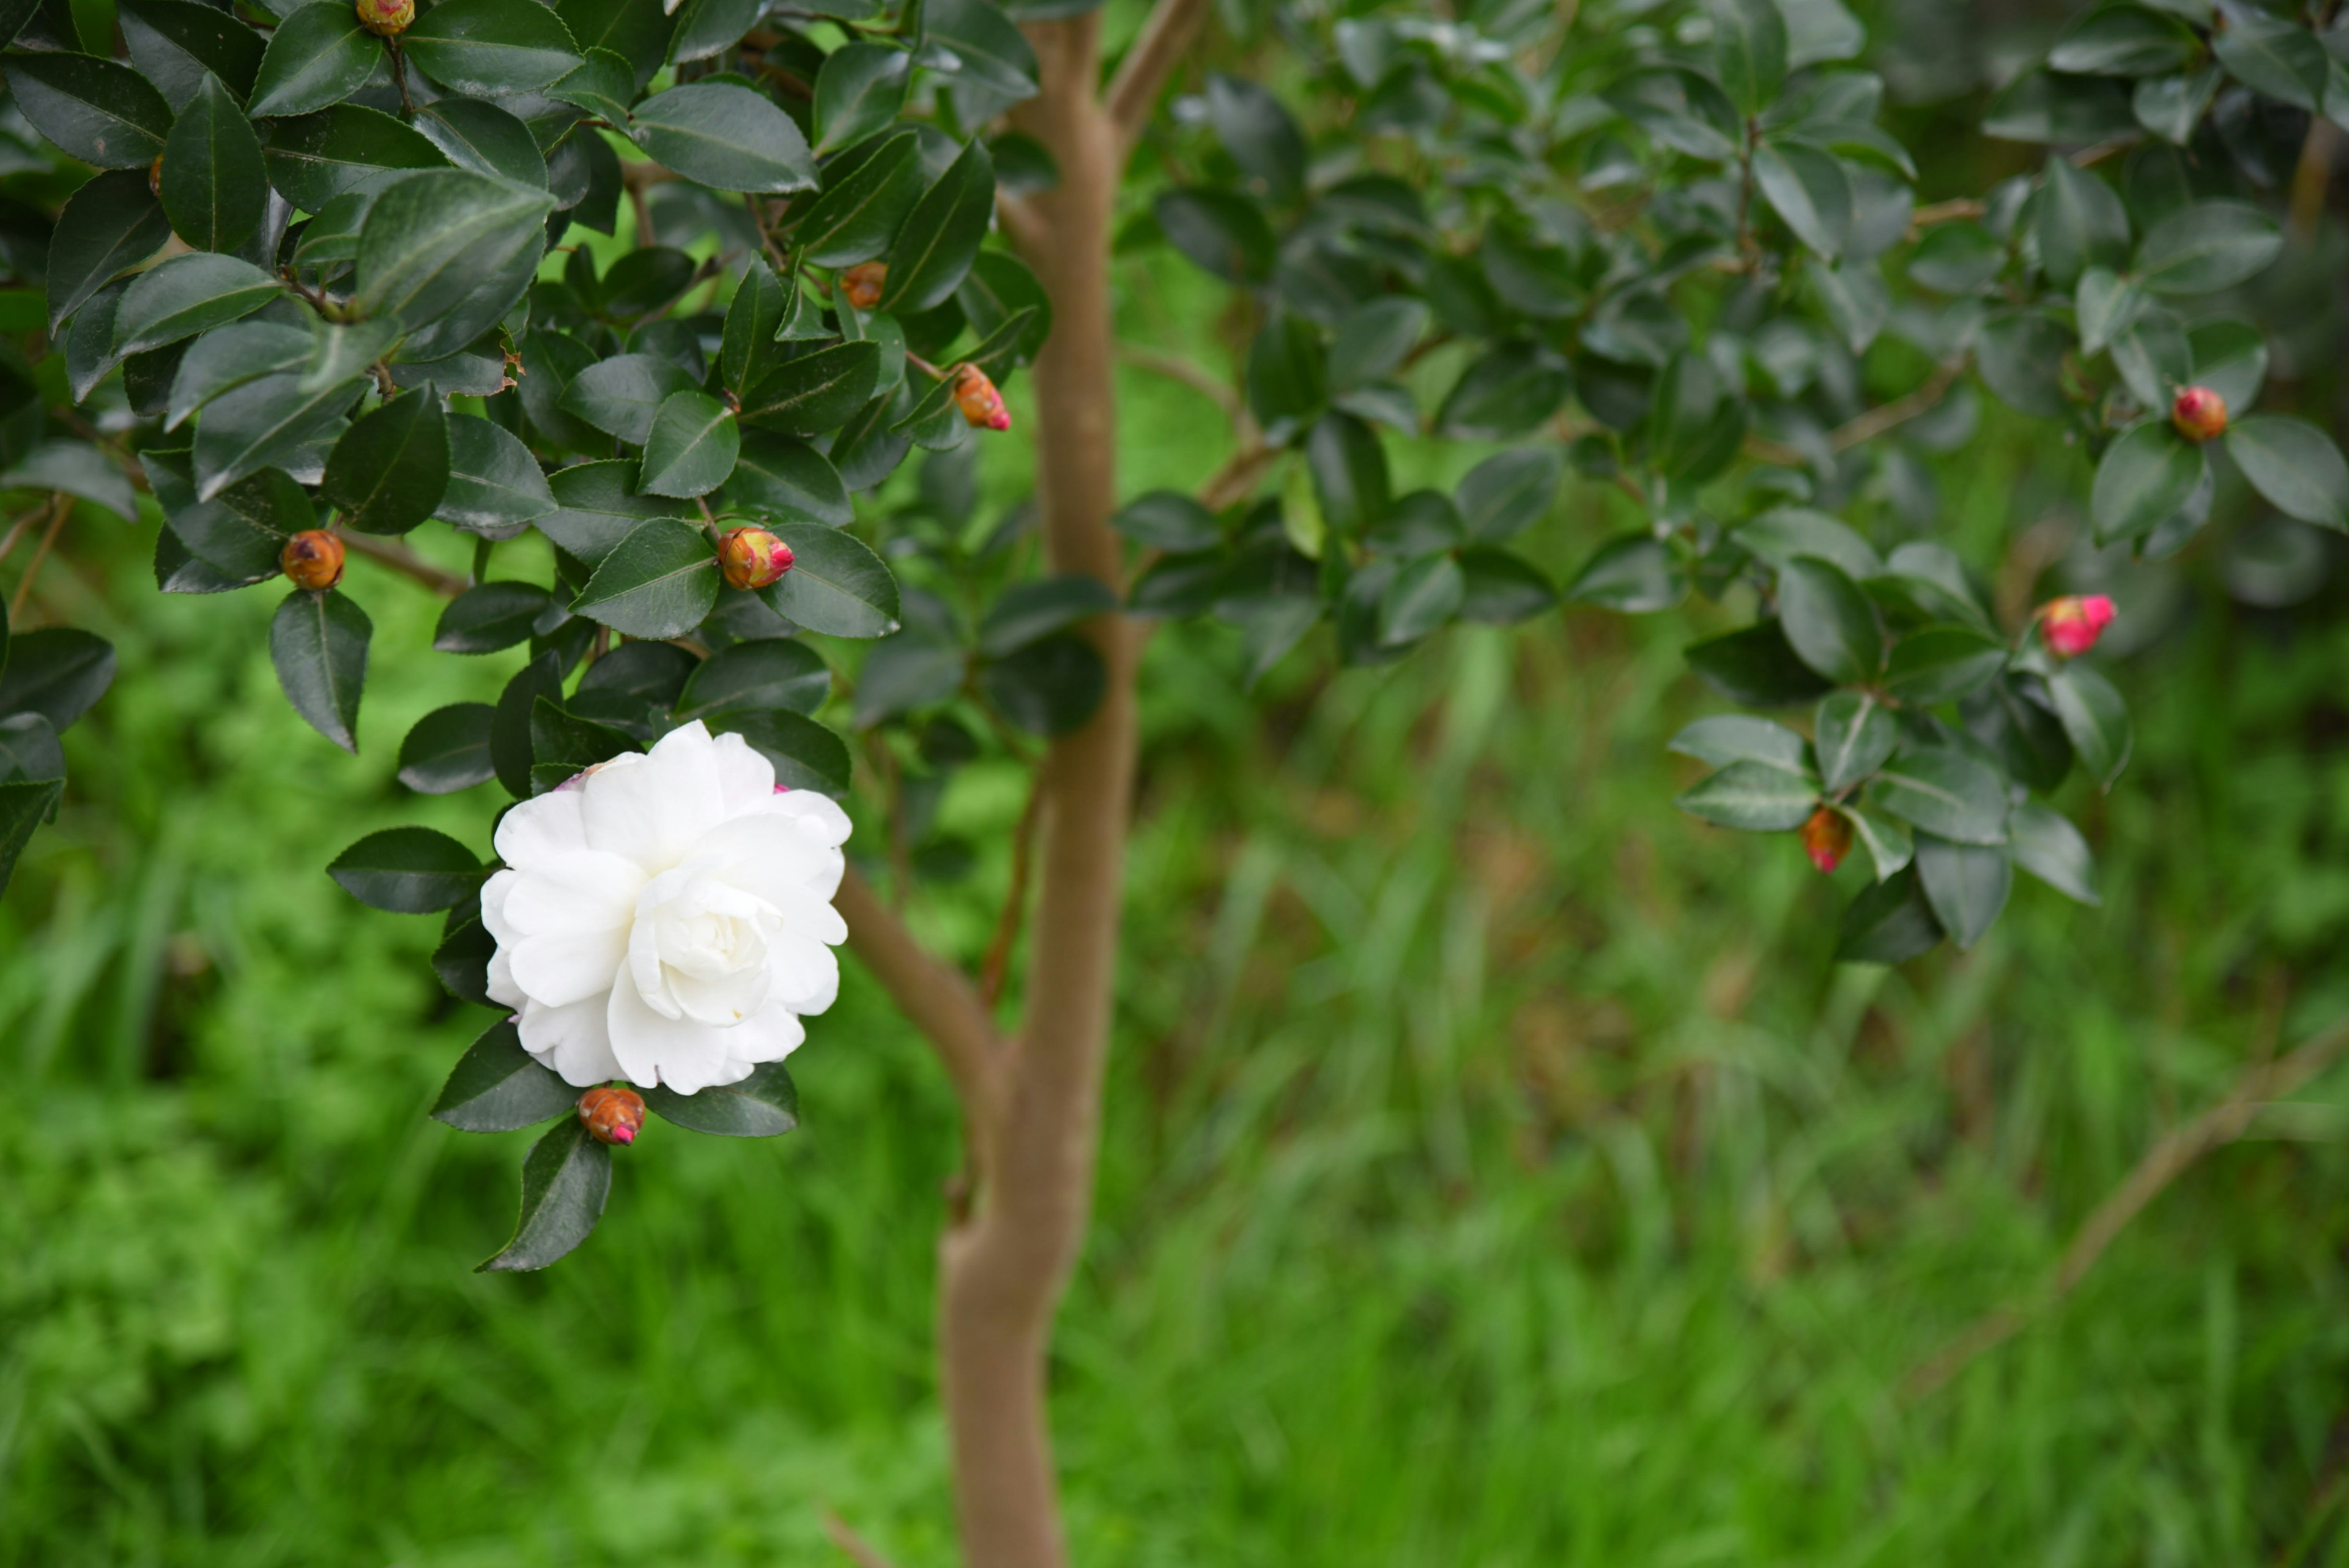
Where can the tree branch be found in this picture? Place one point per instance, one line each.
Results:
(1134, 91)
(407, 563)
(1193, 375)
(2168, 1157)
(1867, 427)
(938, 998)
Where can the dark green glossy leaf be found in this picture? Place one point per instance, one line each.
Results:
(2080, 224)
(936, 245)
(1508, 493)
(1168, 520)
(692, 446)
(987, 50)
(389, 471)
(2020, 357)
(1049, 686)
(2124, 41)
(188, 295)
(1807, 188)
(1221, 231)
(108, 226)
(174, 42)
(317, 56)
(100, 111)
(1499, 588)
(1755, 666)
(815, 392)
(1966, 883)
(619, 396)
(318, 643)
(1635, 574)
(24, 803)
(1027, 612)
(2145, 477)
(764, 1104)
(315, 158)
(1947, 792)
(565, 1180)
(510, 742)
(758, 309)
(602, 84)
(854, 219)
(213, 184)
(490, 46)
(498, 1086)
(723, 136)
(2272, 55)
(2045, 844)
(431, 240)
(495, 486)
(1259, 135)
(1425, 594)
(2294, 465)
(488, 616)
(859, 92)
(1889, 922)
(1943, 664)
(2208, 246)
(449, 749)
(778, 477)
(1753, 796)
(597, 506)
(562, 744)
(59, 672)
(1830, 621)
(1509, 391)
(1854, 735)
(806, 756)
(658, 582)
(771, 673)
(836, 586)
(1726, 738)
(2095, 719)
(1749, 50)
(263, 424)
(409, 871)
(484, 138)
(706, 28)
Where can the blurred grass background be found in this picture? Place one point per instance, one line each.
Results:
(1496, 1170)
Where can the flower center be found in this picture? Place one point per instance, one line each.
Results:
(699, 949)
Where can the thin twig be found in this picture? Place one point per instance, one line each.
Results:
(1867, 427)
(17, 530)
(1133, 90)
(2168, 1157)
(860, 1550)
(400, 80)
(1015, 901)
(60, 506)
(2313, 175)
(1237, 477)
(408, 564)
(1195, 375)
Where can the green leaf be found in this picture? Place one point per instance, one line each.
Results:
(1168, 520)
(1349, 468)
(855, 219)
(1027, 612)
(1258, 134)
(2154, 357)
(1753, 796)
(484, 138)
(935, 246)
(815, 392)
(1944, 791)
(2104, 305)
(1855, 735)
(2080, 224)
(692, 446)
(315, 158)
(1966, 883)
(1682, 111)
(409, 871)
(174, 42)
(1287, 378)
(777, 477)
(836, 586)
(1942, 664)
(1830, 621)
(659, 582)
(621, 395)
(448, 750)
(100, 111)
(495, 486)
(29, 748)
(1634, 572)
(597, 506)
(1755, 666)
(59, 672)
(2145, 477)
(859, 91)
(108, 226)
(1048, 688)
(1508, 493)
(488, 616)
(770, 673)
(461, 961)
(2294, 465)
(747, 350)
(75, 469)
(2124, 41)
(2045, 844)
(637, 31)
(498, 1086)
(242, 534)
(1511, 391)
(2231, 357)
(490, 46)
(565, 1180)
(2095, 720)
(510, 740)
(1222, 232)
(1749, 50)
(24, 803)
(2172, 107)
(1498, 589)
(1957, 259)
(706, 28)
(2021, 357)
(1423, 595)
(764, 1104)
(602, 84)
(723, 136)
(318, 55)
(1888, 845)
(264, 424)
(230, 357)
(1374, 339)
(1726, 738)
(318, 643)
(431, 240)
(389, 471)
(1889, 922)
(562, 744)
(187, 294)
(1808, 188)
(213, 182)
(2272, 56)
(806, 756)
(986, 49)
(2208, 246)
(2018, 726)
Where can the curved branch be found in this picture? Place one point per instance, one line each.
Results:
(1134, 91)
(938, 998)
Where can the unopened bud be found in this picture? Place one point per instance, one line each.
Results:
(312, 558)
(2199, 414)
(861, 284)
(1827, 838)
(980, 403)
(613, 1115)
(155, 178)
(2072, 626)
(752, 557)
(385, 18)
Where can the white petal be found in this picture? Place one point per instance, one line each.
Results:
(643, 975)
(573, 1041)
(808, 913)
(584, 890)
(722, 1001)
(493, 905)
(502, 988)
(804, 975)
(569, 966)
(541, 828)
(765, 852)
(818, 814)
(651, 1049)
(650, 808)
(746, 780)
(771, 1033)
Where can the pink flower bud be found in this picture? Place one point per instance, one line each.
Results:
(981, 404)
(2072, 626)
(2199, 414)
(752, 557)
(1827, 838)
(613, 1115)
(385, 18)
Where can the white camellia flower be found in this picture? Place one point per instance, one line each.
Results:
(666, 917)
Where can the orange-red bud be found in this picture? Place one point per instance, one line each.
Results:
(613, 1115)
(312, 558)
(2072, 626)
(980, 403)
(752, 557)
(1827, 838)
(2199, 414)
(861, 284)
(155, 178)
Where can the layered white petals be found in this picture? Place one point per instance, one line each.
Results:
(666, 917)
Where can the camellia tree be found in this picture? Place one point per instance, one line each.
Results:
(311, 278)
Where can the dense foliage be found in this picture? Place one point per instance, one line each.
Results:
(1646, 244)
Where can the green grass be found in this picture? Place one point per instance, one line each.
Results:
(1497, 1170)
